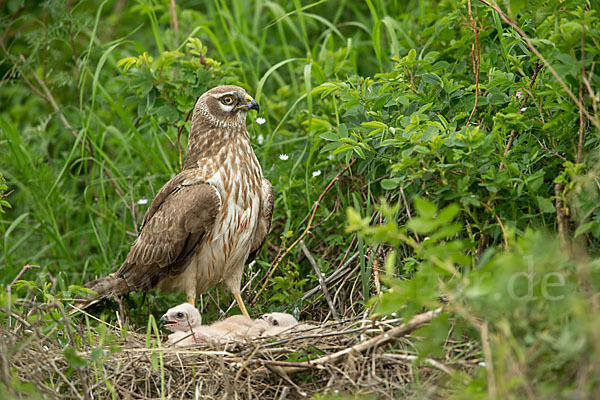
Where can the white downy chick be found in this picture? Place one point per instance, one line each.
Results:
(232, 327)
(185, 322)
(276, 323)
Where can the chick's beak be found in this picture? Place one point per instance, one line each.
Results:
(163, 320)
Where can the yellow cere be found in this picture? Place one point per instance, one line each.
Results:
(249, 98)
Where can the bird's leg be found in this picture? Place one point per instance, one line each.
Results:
(240, 302)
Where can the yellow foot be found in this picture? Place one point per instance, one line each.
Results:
(240, 302)
(191, 300)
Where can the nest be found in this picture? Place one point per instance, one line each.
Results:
(351, 356)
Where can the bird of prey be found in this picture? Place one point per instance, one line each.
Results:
(208, 221)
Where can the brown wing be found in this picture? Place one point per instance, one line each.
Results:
(264, 220)
(174, 226)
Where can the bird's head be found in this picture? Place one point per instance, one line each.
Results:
(181, 318)
(225, 105)
(280, 319)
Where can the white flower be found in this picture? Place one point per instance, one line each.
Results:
(482, 364)
(283, 157)
(260, 140)
(316, 173)
(142, 201)
(523, 109)
(330, 156)
(260, 120)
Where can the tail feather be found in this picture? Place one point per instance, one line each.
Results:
(109, 286)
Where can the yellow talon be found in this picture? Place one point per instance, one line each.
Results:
(240, 302)
(191, 300)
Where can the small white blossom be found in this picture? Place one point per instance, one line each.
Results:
(482, 364)
(330, 156)
(523, 109)
(316, 173)
(260, 140)
(283, 157)
(142, 201)
(426, 238)
(260, 120)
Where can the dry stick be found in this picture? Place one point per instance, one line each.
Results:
(543, 60)
(173, 14)
(476, 56)
(562, 219)
(312, 262)
(308, 228)
(402, 330)
(487, 353)
(581, 121)
(9, 288)
(511, 138)
(334, 275)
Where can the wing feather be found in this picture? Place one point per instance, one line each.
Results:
(174, 226)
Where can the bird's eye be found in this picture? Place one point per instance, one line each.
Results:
(227, 100)
(275, 322)
(179, 315)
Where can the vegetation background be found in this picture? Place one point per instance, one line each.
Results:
(438, 151)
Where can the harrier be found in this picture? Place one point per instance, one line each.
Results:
(208, 221)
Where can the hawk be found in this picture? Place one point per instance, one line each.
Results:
(208, 221)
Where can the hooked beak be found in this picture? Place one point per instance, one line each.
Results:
(252, 104)
(163, 320)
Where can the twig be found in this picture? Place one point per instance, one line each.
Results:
(561, 217)
(416, 322)
(10, 285)
(489, 366)
(322, 282)
(476, 56)
(308, 228)
(543, 60)
(581, 120)
(331, 277)
(173, 14)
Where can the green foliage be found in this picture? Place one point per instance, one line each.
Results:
(538, 304)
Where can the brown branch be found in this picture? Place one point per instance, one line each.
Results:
(402, 330)
(581, 120)
(308, 228)
(543, 60)
(476, 57)
(312, 262)
(562, 220)
(173, 14)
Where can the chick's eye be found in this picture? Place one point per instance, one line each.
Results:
(275, 322)
(179, 315)
(227, 100)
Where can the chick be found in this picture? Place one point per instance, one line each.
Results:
(274, 324)
(185, 322)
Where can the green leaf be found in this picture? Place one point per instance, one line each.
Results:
(425, 208)
(168, 112)
(545, 205)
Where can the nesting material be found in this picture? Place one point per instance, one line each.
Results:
(349, 356)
